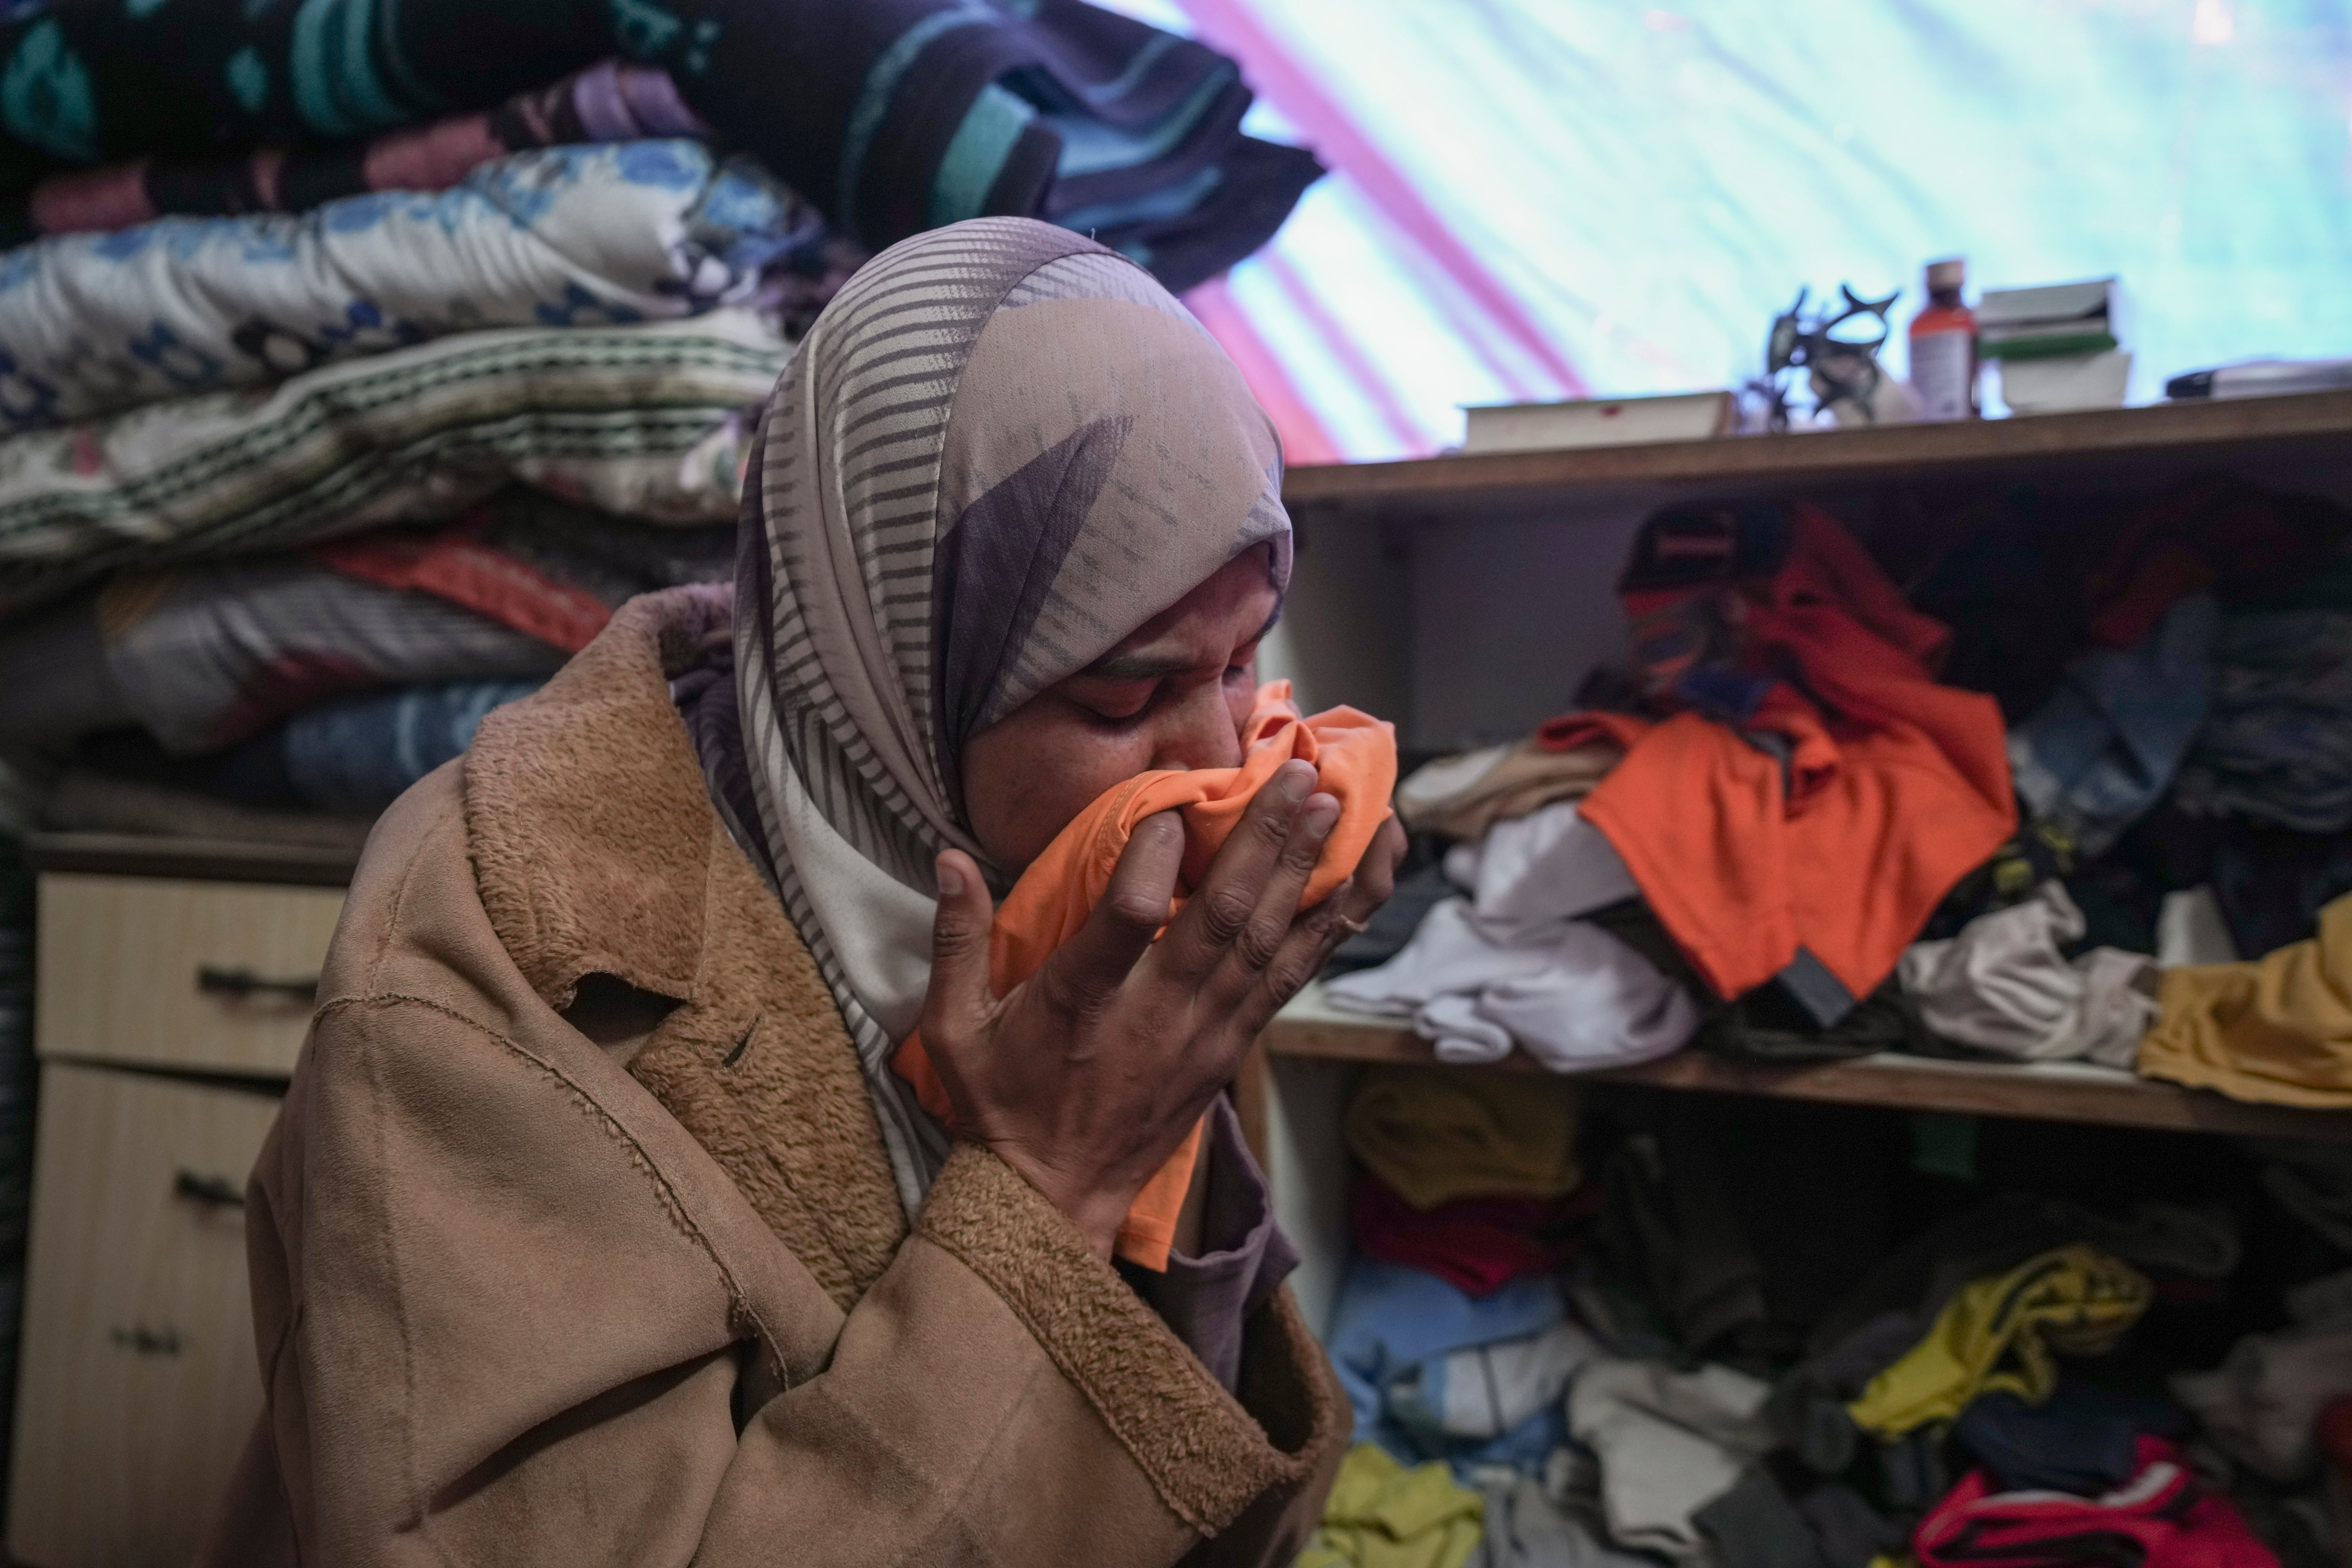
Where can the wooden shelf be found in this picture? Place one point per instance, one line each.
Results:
(2042, 1091)
(2172, 430)
(190, 859)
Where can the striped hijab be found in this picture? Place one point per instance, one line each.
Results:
(1001, 450)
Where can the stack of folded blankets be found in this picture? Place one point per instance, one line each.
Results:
(2098, 811)
(356, 362)
(1726, 1333)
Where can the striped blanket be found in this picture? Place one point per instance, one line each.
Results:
(642, 420)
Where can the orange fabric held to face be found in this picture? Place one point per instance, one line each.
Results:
(1355, 755)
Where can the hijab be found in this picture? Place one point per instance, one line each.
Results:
(1000, 450)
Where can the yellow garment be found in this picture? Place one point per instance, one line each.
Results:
(1435, 1136)
(1381, 1515)
(2277, 1031)
(2001, 1333)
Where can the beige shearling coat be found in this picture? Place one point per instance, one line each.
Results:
(520, 1298)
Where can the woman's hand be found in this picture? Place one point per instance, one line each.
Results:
(1089, 1075)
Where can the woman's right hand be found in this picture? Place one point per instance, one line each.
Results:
(1086, 1077)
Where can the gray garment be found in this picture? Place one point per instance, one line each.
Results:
(2004, 985)
(1527, 1528)
(2313, 1182)
(1244, 1258)
(1483, 1391)
(1668, 1220)
(1753, 1525)
(1670, 1443)
(2262, 1404)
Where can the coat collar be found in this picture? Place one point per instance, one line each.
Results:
(586, 809)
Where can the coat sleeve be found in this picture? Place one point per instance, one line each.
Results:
(503, 1316)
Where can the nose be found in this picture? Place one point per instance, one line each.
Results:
(1198, 731)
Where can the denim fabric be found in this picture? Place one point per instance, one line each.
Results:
(1390, 1323)
(2104, 749)
(359, 754)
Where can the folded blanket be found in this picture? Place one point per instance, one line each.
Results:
(894, 116)
(205, 656)
(642, 420)
(563, 237)
(610, 101)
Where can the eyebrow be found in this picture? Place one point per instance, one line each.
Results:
(1118, 667)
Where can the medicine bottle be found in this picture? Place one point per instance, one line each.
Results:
(1944, 347)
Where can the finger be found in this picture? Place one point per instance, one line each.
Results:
(1213, 916)
(1375, 877)
(1269, 924)
(1305, 948)
(1086, 971)
(958, 993)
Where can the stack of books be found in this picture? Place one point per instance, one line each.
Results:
(2056, 346)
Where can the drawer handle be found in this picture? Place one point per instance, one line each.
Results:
(242, 983)
(212, 1192)
(141, 1340)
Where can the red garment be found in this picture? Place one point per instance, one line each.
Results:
(1476, 1245)
(2218, 533)
(455, 564)
(2165, 1517)
(1894, 789)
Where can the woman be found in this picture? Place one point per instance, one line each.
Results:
(597, 1228)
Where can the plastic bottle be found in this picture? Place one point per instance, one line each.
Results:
(1944, 347)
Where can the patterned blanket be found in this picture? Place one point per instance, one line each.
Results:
(647, 421)
(561, 236)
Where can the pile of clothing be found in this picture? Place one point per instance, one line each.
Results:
(1793, 831)
(1629, 1327)
(355, 364)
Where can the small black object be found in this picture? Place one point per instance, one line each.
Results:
(215, 980)
(216, 1191)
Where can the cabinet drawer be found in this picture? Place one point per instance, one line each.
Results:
(179, 974)
(137, 1384)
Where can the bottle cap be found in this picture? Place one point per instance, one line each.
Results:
(1952, 273)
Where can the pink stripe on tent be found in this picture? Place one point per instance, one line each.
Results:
(1304, 439)
(1332, 133)
(1367, 377)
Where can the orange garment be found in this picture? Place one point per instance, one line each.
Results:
(1893, 788)
(1356, 757)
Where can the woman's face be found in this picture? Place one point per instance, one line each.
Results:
(1175, 694)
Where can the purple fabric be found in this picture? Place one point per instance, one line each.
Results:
(1244, 1259)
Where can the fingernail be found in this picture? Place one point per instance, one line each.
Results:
(1321, 814)
(1298, 778)
(950, 880)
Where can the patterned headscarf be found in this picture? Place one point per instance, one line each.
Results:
(1001, 450)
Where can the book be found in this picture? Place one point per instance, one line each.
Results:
(2056, 320)
(1598, 422)
(2048, 302)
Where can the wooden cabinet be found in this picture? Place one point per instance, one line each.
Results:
(173, 994)
(138, 1384)
(179, 972)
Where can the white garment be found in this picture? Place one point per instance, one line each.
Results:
(1574, 996)
(2003, 984)
(2190, 931)
(1551, 865)
(1483, 1391)
(1670, 1443)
